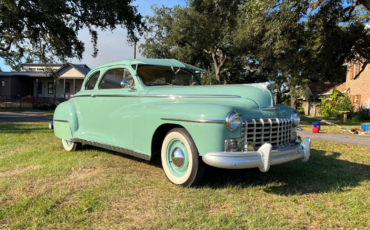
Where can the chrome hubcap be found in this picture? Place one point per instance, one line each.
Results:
(177, 157)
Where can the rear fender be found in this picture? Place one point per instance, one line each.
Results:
(65, 120)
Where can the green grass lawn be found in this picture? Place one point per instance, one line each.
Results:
(306, 125)
(42, 186)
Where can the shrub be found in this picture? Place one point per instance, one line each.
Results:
(331, 105)
(43, 107)
(360, 116)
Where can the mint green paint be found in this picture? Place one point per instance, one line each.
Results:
(66, 112)
(62, 130)
(131, 120)
(178, 172)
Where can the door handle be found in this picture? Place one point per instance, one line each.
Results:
(92, 95)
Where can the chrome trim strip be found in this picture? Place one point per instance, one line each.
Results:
(81, 95)
(159, 96)
(195, 120)
(194, 96)
(65, 121)
(116, 95)
(113, 148)
(272, 108)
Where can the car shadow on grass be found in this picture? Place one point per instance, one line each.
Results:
(322, 173)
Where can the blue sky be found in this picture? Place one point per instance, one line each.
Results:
(112, 45)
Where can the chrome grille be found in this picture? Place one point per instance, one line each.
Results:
(276, 131)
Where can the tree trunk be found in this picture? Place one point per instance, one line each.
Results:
(293, 101)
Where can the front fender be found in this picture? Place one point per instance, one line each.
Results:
(207, 136)
(65, 120)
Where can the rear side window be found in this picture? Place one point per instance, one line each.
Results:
(112, 79)
(92, 81)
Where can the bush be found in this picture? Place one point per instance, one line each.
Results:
(360, 116)
(331, 105)
(43, 107)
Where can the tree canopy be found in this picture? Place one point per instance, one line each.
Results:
(289, 42)
(49, 28)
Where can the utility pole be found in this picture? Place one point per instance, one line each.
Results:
(135, 50)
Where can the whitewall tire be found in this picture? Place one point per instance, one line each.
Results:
(180, 158)
(71, 146)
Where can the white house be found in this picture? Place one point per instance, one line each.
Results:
(36, 81)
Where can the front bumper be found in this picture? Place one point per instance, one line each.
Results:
(262, 158)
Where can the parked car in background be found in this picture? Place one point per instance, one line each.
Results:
(158, 106)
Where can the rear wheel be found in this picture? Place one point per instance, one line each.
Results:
(71, 146)
(180, 158)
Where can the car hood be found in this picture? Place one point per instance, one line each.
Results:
(255, 92)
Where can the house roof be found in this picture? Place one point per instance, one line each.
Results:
(322, 88)
(82, 69)
(340, 88)
(25, 74)
(56, 64)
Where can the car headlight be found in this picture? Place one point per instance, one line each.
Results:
(233, 121)
(296, 118)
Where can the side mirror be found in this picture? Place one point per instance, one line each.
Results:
(124, 84)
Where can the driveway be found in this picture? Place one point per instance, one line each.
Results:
(25, 116)
(337, 137)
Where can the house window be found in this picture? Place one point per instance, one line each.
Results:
(39, 87)
(50, 88)
(356, 99)
(354, 70)
(67, 87)
(2, 83)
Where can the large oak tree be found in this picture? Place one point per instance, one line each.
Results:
(49, 28)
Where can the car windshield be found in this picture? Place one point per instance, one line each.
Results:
(166, 75)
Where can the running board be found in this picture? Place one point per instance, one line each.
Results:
(114, 148)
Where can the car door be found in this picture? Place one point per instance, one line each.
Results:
(112, 107)
(83, 101)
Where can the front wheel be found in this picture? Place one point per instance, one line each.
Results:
(71, 146)
(180, 158)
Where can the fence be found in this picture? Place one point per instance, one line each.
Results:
(29, 102)
(365, 110)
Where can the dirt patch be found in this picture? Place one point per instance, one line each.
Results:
(83, 173)
(18, 170)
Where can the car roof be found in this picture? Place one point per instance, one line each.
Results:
(151, 61)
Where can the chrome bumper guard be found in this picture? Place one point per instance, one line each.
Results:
(262, 158)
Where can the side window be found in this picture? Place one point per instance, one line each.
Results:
(113, 78)
(129, 78)
(92, 81)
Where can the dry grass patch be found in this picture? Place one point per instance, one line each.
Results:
(19, 170)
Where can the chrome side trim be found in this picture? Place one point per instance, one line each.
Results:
(81, 95)
(65, 121)
(270, 108)
(116, 95)
(195, 120)
(160, 96)
(113, 148)
(194, 96)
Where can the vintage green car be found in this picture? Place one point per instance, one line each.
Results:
(144, 107)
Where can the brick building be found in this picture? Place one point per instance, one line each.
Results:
(358, 88)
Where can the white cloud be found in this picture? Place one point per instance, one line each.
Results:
(112, 46)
